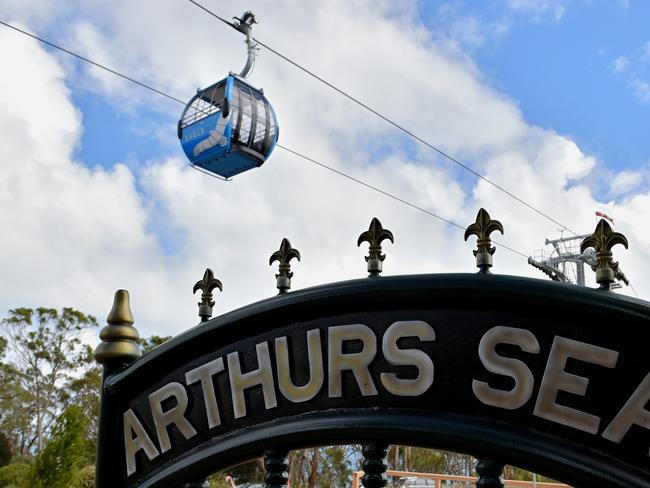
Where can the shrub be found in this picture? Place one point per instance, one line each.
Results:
(85, 478)
(15, 475)
(58, 464)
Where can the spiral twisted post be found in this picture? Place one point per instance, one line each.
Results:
(374, 465)
(276, 466)
(490, 474)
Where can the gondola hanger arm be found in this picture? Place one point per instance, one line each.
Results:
(245, 26)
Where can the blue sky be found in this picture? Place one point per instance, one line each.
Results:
(111, 134)
(559, 68)
(547, 98)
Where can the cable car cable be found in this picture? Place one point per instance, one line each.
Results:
(78, 56)
(390, 195)
(361, 182)
(391, 122)
(159, 92)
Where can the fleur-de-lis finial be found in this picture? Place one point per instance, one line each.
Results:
(284, 255)
(482, 229)
(206, 285)
(602, 240)
(374, 236)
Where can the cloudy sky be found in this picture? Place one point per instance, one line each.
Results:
(548, 98)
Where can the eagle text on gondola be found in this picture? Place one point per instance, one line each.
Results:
(329, 357)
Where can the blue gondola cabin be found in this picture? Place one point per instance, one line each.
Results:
(228, 128)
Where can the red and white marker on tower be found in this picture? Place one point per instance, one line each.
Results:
(604, 216)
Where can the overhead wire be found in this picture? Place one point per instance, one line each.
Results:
(390, 195)
(389, 121)
(296, 153)
(291, 151)
(78, 56)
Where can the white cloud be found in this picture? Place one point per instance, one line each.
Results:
(641, 89)
(78, 233)
(35, 14)
(635, 70)
(645, 51)
(465, 27)
(627, 181)
(620, 64)
(539, 9)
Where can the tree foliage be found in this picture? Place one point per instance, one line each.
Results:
(335, 468)
(49, 398)
(5, 450)
(56, 466)
(514, 473)
(152, 342)
(327, 467)
(45, 348)
(85, 478)
(83, 390)
(15, 475)
(13, 418)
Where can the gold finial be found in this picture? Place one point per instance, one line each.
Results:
(118, 346)
(284, 255)
(482, 229)
(374, 236)
(602, 240)
(206, 285)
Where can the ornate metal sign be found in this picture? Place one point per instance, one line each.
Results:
(478, 363)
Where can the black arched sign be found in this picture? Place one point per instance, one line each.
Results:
(547, 376)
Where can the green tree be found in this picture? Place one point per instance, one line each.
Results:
(298, 461)
(46, 350)
(152, 342)
(57, 465)
(5, 450)
(514, 473)
(322, 467)
(83, 390)
(15, 475)
(335, 468)
(426, 460)
(14, 417)
(85, 478)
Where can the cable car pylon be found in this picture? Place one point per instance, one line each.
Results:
(230, 127)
